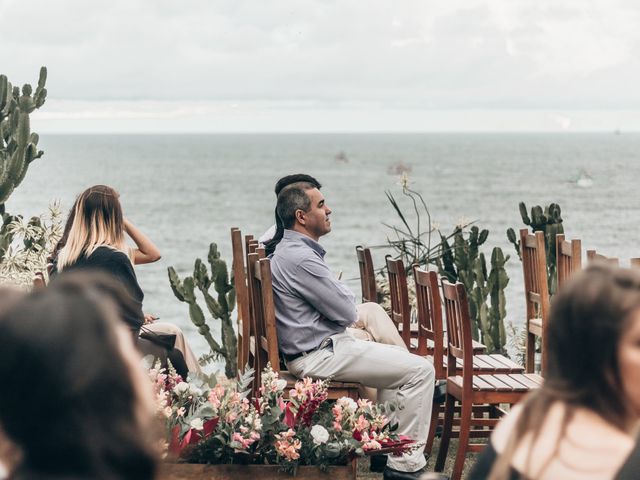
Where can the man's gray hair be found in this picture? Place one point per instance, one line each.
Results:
(292, 198)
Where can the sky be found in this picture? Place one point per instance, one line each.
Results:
(192, 66)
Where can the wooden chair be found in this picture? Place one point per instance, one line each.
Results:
(400, 308)
(536, 292)
(401, 312)
(242, 298)
(431, 343)
(367, 275)
(266, 332)
(470, 388)
(593, 256)
(568, 258)
(634, 262)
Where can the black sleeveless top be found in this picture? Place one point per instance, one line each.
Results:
(117, 264)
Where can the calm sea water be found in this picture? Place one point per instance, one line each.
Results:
(186, 191)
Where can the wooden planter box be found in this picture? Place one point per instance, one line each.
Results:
(186, 471)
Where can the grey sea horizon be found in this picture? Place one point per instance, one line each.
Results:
(188, 190)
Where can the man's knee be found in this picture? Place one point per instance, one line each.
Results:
(423, 369)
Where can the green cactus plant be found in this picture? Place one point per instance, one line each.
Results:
(18, 145)
(548, 221)
(465, 263)
(220, 308)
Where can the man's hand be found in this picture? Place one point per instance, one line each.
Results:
(150, 318)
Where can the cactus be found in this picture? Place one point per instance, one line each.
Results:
(548, 221)
(465, 263)
(220, 308)
(18, 145)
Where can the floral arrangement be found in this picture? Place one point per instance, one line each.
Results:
(211, 421)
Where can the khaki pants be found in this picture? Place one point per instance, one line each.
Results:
(398, 375)
(374, 325)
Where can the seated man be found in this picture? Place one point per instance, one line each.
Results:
(313, 311)
(372, 322)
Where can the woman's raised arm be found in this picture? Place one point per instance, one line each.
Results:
(147, 252)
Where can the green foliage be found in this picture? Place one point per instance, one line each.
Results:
(464, 262)
(548, 221)
(25, 245)
(18, 145)
(458, 258)
(219, 308)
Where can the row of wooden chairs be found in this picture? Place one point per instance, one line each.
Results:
(257, 332)
(475, 382)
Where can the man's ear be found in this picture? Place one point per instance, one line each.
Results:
(300, 217)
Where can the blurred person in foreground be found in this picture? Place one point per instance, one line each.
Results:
(583, 423)
(75, 403)
(94, 239)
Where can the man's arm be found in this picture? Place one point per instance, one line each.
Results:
(316, 284)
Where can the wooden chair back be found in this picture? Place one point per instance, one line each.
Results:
(266, 336)
(400, 308)
(242, 297)
(534, 267)
(429, 312)
(460, 343)
(367, 275)
(568, 258)
(593, 256)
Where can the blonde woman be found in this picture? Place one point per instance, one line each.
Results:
(94, 238)
(583, 423)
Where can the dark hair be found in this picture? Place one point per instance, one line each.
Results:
(291, 199)
(588, 318)
(296, 178)
(68, 401)
(270, 245)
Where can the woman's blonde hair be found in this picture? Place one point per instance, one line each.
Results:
(97, 221)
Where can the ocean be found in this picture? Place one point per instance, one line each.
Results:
(186, 191)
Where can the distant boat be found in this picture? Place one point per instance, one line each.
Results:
(341, 157)
(584, 180)
(398, 168)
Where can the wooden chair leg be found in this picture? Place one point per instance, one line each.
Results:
(463, 439)
(446, 433)
(435, 415)
(530, 361)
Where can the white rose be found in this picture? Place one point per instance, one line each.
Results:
(347, 403)
(182, 387)
(281, 384)
(196, 424)
(195, 391)
(319, 434)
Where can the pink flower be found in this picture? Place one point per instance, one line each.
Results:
(361, 423)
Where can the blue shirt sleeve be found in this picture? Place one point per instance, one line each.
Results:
(314, 282)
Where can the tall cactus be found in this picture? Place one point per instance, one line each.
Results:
(548, 221)
(18, 145)
(465, 263)
(220, 308)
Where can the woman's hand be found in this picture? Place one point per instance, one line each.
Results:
(150, 318)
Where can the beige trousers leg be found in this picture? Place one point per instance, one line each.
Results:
(374, 325)
(181, 343)
(399, 375)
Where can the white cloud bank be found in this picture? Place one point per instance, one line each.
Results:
(342, 65)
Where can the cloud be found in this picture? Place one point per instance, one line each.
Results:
(415, 54)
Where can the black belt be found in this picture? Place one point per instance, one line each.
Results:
(291, 357)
